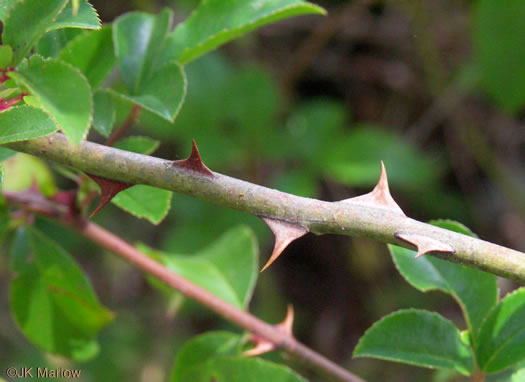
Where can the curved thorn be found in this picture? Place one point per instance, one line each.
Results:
(424, 244)
(380, 196)
(194, 162)
(284, 233)
(263, 346)
(108, 189)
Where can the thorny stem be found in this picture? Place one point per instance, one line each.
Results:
(35, 202)
(117, 134)
(317, 216)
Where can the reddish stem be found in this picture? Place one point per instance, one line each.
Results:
(7, 104)
(117, 134)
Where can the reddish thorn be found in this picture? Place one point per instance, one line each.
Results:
(263, 346)
(284, 233)
(108, 189)
(68, 199)
(194, 162)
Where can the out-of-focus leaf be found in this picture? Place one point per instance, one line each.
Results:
(137, 144)
(24, 122)
(144, 202)
(138, 38)
(6, 153)
(104, 112)
(6, 55)
(499, 30)
(85, 18)
(189, 235)
(354, 160)
(216, 22)
(226, 268)
(416, 337)
(92, 53)
(63, 91)
(241, 369)
(475, 291)
(502, 334)
(312, 127)
(518, 376)
(52, 43)
(52, 300)
(5, 6)
(26, 23)
(22, 170)
(203, 348)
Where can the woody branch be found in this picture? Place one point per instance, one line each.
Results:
(374, 215)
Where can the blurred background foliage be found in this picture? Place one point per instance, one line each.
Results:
(310, 105)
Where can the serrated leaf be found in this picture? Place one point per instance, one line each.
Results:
(26, 23)
(138, 38)
(201, 348)
(51, 299)
(24, 122)
(216, 22)
(500, 29)
(146, 202)
(52, 43)
(502, 334)
(164, 92)
(227, 268)
(241, 369)
(416, 337)
(85, 18)
(138, 144)
(5, 7)
(63, 91)
(92, 53)
(103, 112)
(6, 55)
(475, 291)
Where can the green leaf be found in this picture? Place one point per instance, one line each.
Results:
(63, 91)
(92, 53)
(145, 202)
(5, 7)
(51, 299)
(22, 170)
(354, 160)
(24, 122)
(518, 376)
(227, 268)
(138, 38)
(137, 144)
(52, 43)
(416, 337)
(27, 22)
(85, 18)
(499, 30)
(164, 92)
(216, 22)
(103, 112)
(6, 153)
(241, 369)
(6, 55)
(502, 334)
(203, 348)
(475, 291)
